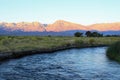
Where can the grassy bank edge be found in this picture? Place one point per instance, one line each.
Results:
(15, 55)
(20, 46)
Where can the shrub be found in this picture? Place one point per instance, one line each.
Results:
(49, 36)
(79, 42)
(91, 41)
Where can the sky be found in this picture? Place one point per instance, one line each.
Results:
(48, 11)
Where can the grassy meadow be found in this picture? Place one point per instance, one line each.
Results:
(28, 43)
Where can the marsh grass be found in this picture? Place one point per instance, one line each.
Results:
(113, 52)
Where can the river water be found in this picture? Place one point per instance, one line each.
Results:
(73, 64)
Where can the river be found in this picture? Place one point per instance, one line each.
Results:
(73, 64)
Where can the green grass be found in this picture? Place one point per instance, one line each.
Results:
(27, 43)
(113, 52)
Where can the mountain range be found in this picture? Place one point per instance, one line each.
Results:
(57, 26)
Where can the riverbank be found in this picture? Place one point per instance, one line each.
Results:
(19, 46)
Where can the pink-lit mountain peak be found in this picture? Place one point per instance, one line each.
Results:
(24, 26)
(106, 26)
(62, 25)
(57, 26)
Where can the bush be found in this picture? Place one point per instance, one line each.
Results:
(49, 36)
(91, 41)
(113, 52)
(79, 42)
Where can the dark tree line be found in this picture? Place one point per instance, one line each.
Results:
(88, 34)
(93, 34)
(112, 35)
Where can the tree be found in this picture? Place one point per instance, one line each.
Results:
(95, 34)
(88, 33)
(78, 34)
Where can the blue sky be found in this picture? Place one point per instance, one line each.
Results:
(47, 11)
